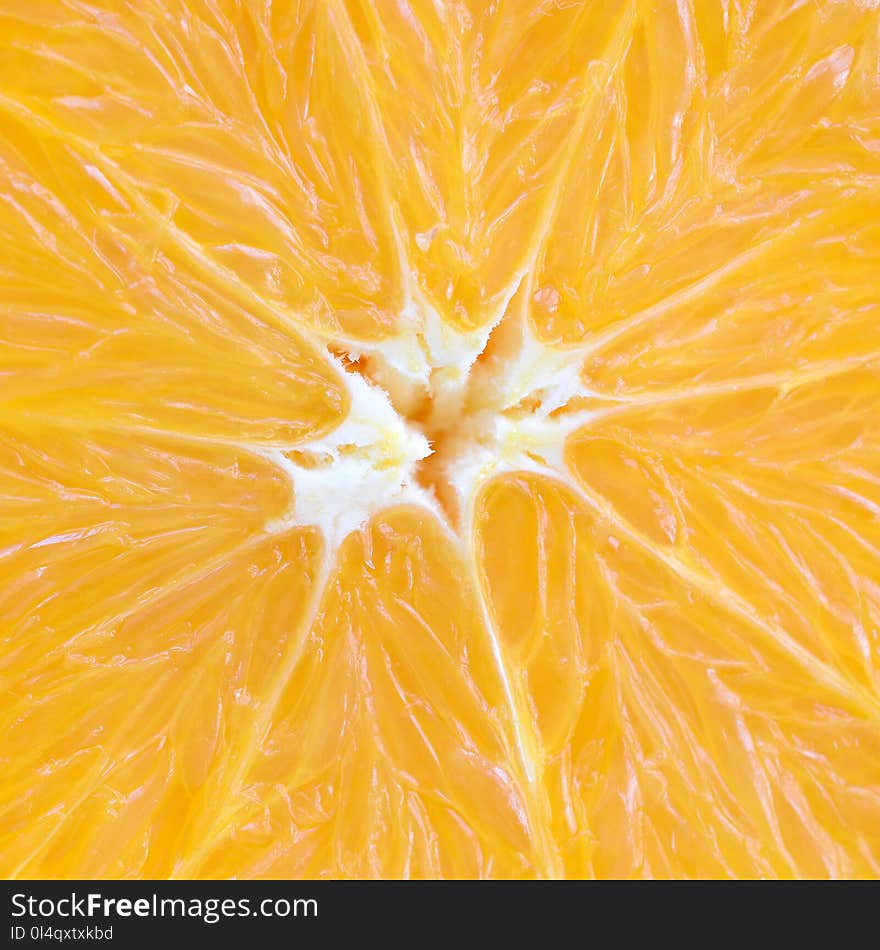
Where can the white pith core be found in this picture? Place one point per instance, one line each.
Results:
(432, 416)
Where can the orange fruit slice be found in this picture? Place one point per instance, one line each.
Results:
(440, 440)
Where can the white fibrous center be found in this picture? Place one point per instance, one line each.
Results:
(434, 412)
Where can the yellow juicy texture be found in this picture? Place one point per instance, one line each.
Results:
(628, 630)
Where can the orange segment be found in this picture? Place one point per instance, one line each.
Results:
(143, 723)
(388, 751)
(90, 526)
(477, 150)
(760, 499)
(653, 723)
(76, 343)
(707, 163)
(228, 113)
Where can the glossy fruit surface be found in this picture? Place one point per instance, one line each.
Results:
(439, 439)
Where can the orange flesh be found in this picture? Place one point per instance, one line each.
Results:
(439, 440)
